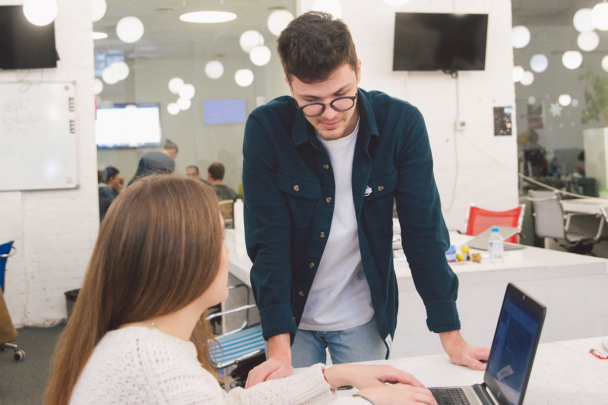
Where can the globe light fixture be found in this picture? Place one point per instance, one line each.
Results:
(208, 17)
(531, 100)
(175, 84)
(97, 86)
(520, 37)
(396, 2)
(588, 41)
(99, 35)
(130, 29)
(214, 69)
(187, 91)
(99, 9)
(120, 70)
(173, 108)
(518, 73)
(109, 76)
(572, 59)
(574, 103)
(243, 77)
(332, 7)
(40, 12)
(605, 63)
(599, 16)
(565, 100)
(278, 21)
(539, 63)
(582, 20)
(250, 39)
(528, 78)
(183, 103)
(260, 55)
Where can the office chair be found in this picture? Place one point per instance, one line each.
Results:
(551, 222)
(478, 220)
(8, 333)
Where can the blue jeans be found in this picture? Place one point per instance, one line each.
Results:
(361, 343)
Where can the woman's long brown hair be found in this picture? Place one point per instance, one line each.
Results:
(158, 250)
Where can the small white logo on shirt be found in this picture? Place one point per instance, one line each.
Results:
(368, 191)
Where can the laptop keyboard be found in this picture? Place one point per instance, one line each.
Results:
(450, 396)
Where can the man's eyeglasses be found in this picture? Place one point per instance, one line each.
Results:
(340, 104)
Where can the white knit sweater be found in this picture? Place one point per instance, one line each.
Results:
(137, 365)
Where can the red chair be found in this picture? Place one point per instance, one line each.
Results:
(478, 220)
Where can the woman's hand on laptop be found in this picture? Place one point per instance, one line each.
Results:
(361, 376)
(461, 353)
(398, 393)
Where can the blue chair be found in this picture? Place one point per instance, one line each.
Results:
(7, 250)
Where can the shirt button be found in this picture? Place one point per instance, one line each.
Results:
(301, 294)
(311, 265)
(328, 200)
(322, 234)
(380, 188)
(326, 167)
(296, 187)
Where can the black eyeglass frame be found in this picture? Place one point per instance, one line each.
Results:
(331, 104)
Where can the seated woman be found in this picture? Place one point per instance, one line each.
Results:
(138, 335)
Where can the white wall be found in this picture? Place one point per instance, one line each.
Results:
(54, 231)
(488, 181)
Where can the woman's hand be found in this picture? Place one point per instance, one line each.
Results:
(361, 377)
(398, 393)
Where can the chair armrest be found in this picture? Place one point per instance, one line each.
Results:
(231, 311)
(12, 252)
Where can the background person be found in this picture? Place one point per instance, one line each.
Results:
(215, 175)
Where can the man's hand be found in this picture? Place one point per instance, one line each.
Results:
(461, 353)
(362, 376)
(278, 364)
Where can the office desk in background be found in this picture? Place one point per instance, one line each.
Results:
(585, 205)
(573, 287)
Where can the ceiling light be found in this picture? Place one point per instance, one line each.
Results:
(208, 17)
(120, 70)
(187, 91)
(130, 29)
(599, 16)
(582, 20)
(527, 79)
(173, 108)
(243, 77)
(98, 86)
(183, 103)
(572, 59)
(109, 76)
(520, 37)
(99, 35)
(518, 73)
(260, 55)
(250, 39)
(40, 12)
(214, 69)
(605, 63)
(531, 100)
(332, 7)
(99, 9)
(175, 84)
(539, 63)
(278, 21)
(588, 41)
(565, 100)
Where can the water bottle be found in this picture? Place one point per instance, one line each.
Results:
(496, 247)
(238, 215)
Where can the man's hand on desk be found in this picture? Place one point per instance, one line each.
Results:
(278, 364)
(461, 353)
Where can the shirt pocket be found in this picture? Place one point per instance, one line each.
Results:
(378, 204)
(301, 196)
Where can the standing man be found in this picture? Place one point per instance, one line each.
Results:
(321, 171)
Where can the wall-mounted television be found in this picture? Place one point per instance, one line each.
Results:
(128, 126)
(447, 42)
(24, 45)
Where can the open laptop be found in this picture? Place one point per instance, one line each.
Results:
(482, 241)
(510, 364)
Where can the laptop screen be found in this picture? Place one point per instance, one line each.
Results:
(513, 348)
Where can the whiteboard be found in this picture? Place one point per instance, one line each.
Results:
(37, 136)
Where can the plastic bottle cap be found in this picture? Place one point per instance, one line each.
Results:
(495, 230)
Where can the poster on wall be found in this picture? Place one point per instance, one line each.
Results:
(535, 115)
(503, 121)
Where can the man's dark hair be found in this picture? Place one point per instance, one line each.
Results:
(314, 45)
(195, 168)
(217, 171)
(111, 171)
(170, 145)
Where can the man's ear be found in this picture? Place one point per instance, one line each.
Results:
(289, 85)
(358, 72)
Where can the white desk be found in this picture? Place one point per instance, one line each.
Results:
(563, 373)
(573, 287)
(585, 205)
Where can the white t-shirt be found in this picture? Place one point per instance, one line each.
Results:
(339, 298)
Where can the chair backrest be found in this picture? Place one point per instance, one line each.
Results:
(226, 208)
(478, 220)
(5, 253)
(548, 214)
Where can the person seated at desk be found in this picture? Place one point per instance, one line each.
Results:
(215, 175)
(153, 163)
(193, 173)
(137, 333)
(107, 189)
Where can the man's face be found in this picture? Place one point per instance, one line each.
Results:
(191, 172)
(172, 153)
(342, 82)
(113, 181)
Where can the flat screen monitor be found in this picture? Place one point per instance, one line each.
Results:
(128, 126)
(24, 45)
(447, 42)
(231, 111)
